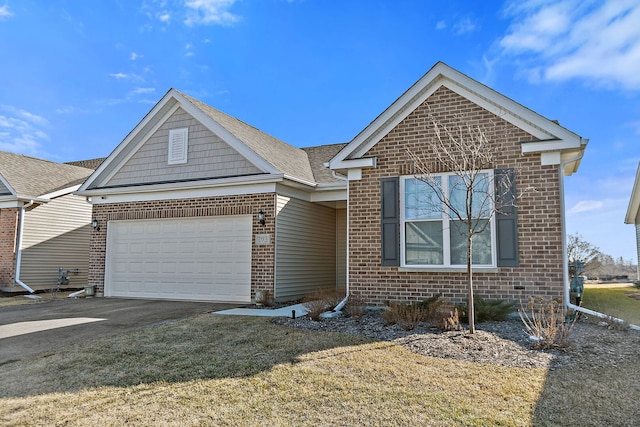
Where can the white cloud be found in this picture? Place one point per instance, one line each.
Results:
(585, 206)
(125, 76)
(463, 26)
(164, 17)
(69, 109)
(143, 90)
(119, 76)
(134, 56)
(207, 12)
(567, 39)
(5, 12)
(21, 131)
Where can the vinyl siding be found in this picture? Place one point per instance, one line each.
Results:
(305, 248)
(341, 249)
(207, 156)
(638, 248)
(56, 235)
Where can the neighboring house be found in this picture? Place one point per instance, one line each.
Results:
(196, 204)
(633, 213)
(43, 225)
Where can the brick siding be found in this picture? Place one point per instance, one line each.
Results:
(8, 232)
(262, 256)
(539, 214)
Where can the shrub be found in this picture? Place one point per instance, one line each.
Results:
(355, 306)
(265, 298)
(321, 301)
(544, 321)
(488, 309)
(406, 316)
(445, 316)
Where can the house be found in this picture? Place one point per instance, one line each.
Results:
(196, 204)
(633, 213)
(44, 228)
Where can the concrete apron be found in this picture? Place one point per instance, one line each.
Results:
(300, 310)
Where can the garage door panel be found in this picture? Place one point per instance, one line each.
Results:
(188, 258)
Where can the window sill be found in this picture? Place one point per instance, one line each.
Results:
(449, 269)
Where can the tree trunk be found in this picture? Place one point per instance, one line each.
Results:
(472, 311)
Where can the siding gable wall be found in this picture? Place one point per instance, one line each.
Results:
(208, 157)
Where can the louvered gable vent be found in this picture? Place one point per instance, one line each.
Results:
(178, 145)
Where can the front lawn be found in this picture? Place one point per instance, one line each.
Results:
(230, 370)
(616, 302)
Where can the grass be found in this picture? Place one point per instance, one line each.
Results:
(9, 300)
(614, 302)
(229, 370)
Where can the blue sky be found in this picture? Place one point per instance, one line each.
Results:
(77, 75)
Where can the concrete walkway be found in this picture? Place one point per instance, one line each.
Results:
(300, 310)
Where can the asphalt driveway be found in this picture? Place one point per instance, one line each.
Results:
(35, 328)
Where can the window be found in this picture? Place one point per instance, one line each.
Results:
(178, 146)
(433, 235)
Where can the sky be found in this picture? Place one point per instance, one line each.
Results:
(77, 76)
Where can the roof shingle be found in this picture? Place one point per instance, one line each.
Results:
(32, 177)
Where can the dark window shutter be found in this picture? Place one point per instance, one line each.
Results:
(506, 218)
(390, 224)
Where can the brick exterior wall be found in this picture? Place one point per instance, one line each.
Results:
(262, 256)
(539, 214)
(8, 233)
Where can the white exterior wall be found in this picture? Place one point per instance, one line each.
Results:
(305, 248)
(56, 235)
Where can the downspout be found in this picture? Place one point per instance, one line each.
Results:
(565, 255)
(19, 247)
(342, 303)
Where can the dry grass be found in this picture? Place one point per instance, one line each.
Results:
(8, 299)
(228, 370)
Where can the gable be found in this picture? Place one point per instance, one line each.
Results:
(555, 143)
(4, 190)
(416, 132)
(207, 156)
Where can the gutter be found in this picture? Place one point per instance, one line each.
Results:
(19, 247)
(565, 255)
(336, 310)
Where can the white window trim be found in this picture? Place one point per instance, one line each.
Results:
(446, 242)
(182, 158)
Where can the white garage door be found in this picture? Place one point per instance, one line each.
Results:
(205, 259)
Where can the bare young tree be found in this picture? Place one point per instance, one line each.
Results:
(469, 194)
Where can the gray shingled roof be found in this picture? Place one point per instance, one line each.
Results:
(284, 157)
(89, 164)
(320, 155)
(31, 177)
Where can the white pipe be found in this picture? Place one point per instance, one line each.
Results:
(342, 303)
(19, 247)
(75, 294)
(565, 255)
